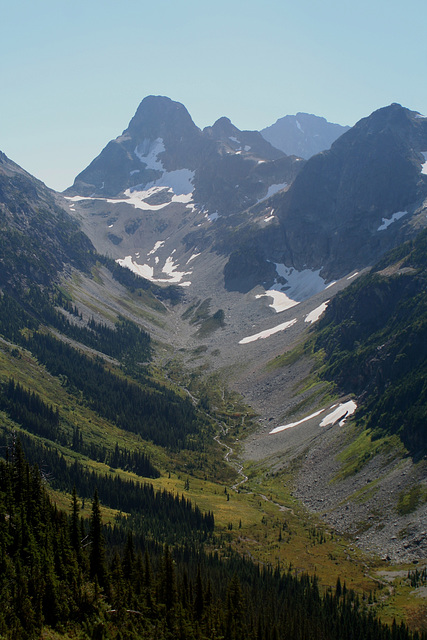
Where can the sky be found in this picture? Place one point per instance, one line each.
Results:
(73, 72)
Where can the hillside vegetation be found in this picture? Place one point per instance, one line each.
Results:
(374, 339)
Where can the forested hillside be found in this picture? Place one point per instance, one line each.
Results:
(374, 339)
(87, 580)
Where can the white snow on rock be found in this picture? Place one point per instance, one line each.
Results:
(180, 181)
(212, 216)
(147, 272)
(424, 165)
(233, 139)
(159, 243)
(247, 147)
(170, 269)
(353, 275)
(143, 270)
(135, 171)
(295, 424)
(272, 190)
(195, 255)
(340, 414)
(137, 198)
(299, 126)
(299, 286)
(396, 216)
(281, 301)
(268, 332)
(314, 315)
(148, 151)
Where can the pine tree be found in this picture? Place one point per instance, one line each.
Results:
(75, 528)
(97, 544)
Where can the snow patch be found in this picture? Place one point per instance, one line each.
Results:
(143, 270)
(396, 216)
(148, 151)
(341, 413)
(272, 190)
(299, 126)
(159, 243)
(192, 257)
(147, 272)
(314, 315)
(233, 139)
(133, 197)
(212, 216)
(424, 165)
(268, 332)
(295, 424)
(353, 275)
(135, 171)
(247, 147)
(299, 286)
(281, 301)
(180, 181)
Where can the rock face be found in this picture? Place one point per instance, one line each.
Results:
(349, 205)
(161, 137)
(352, 203)
(303, 135)
(264, 212)
(163, 148)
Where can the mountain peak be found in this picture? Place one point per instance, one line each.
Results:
(303, 134)
(158, 115)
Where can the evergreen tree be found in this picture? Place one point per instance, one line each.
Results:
(97, 543)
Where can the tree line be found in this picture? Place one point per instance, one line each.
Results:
(61, 571)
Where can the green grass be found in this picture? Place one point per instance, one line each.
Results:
(363, 448)
(409, 501)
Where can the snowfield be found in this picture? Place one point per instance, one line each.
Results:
(314, 315)
(268, 332)
(148, 151)
(339, 414)
(299, 286)
(147, 272)
(396, 216)
(137, 198)
(272, 190)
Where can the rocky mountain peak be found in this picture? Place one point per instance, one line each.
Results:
(161, 117)
(350, 204)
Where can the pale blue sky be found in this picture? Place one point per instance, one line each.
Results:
(73, 72)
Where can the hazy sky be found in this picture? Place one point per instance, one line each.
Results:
(73, 72)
